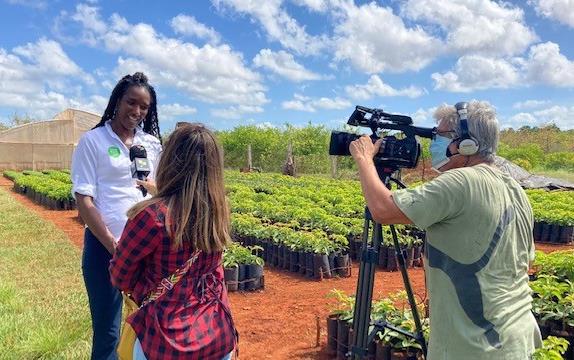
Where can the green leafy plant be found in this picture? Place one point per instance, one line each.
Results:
(552, 349)
(343, 306)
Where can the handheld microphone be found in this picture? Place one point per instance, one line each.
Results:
(140, 166)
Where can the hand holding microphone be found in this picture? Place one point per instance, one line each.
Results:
(140, 166)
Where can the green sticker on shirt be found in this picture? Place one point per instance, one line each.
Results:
(114, 151)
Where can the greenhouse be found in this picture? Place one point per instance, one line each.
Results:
(45, 144)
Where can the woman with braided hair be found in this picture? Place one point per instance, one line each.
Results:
(104, 190)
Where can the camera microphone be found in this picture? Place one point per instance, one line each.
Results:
(140, 167)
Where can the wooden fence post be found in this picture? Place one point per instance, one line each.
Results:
(333, 166)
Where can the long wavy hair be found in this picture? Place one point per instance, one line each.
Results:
(190, 181)
(151, 122)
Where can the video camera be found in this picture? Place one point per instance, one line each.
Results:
(394, 152)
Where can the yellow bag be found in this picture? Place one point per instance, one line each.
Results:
(128, 335)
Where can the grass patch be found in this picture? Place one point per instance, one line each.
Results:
(558, 174)
(44, 311)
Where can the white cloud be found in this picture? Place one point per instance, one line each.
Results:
(376, 87)
(373, 39)
(560, 115)
(424, 117)
(544, 65)
(170, 111)
(211, 73)
(265, 125)
(314, 5)
(561, 10)
(277, 23)
(518, 120)
(304, 103)
(236, 112)
(188, 25)
(36, 4)
(482, 27)
(283, 64)
(473, 72)
(529, 104)
(41, 79)
(48, 58)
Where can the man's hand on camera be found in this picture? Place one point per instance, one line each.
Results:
(364, 149)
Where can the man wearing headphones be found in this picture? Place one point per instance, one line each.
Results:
(479, 243)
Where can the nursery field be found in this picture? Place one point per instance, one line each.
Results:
(304, 231)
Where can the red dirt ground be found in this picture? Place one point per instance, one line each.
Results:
(279, 322)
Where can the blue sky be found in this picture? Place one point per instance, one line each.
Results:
(233, 62)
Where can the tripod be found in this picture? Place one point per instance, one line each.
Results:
(364, 295)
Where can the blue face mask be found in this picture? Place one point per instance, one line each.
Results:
(438, 149)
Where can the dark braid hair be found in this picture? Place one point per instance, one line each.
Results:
(150, 123)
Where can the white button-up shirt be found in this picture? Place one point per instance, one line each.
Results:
(101, 169)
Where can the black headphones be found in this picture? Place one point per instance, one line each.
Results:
(467, 145)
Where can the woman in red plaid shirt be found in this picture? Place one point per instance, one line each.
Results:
(189, 213)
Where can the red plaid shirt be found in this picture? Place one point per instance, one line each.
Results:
(190, 321)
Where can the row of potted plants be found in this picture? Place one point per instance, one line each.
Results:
(311, 253)
(553, 214)
(410, 242)
(389, 344)
(243, 269)
(553, 233)
(43, 189)
(553, 297)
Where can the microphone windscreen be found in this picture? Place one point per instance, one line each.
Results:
(138, 151)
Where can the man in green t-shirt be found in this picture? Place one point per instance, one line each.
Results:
(479, 238)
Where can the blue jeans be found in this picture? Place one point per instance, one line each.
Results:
(139, 354)
(105, 300)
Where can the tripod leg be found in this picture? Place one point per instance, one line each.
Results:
(364, 296)
(403, 268)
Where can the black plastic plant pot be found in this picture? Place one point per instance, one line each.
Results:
(294, 261)
(274, 255)
(321, 266)
(410, 256)
(332, 325)
(383, 256)
(241, 277)
(247, 240)
(567, 234)
(417, 255)
(352, 250)
(280, 256)
(545, 232)
(302, 262)
(382, 351)
(309, 262)
(342, 265)
(253, 271)
(554, 236)
(536, 231)
(356, 249)
(287, 259)
(231, 278)
(331, 258)
(266, 251)
(392, 263)
(343, 328)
